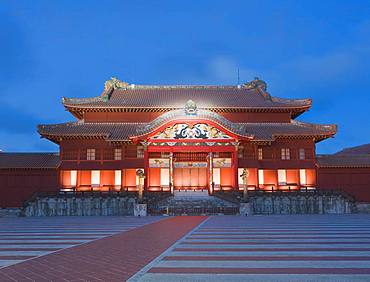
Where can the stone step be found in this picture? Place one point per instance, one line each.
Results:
(188, 204)
(191, 194)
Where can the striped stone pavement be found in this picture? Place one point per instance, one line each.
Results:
(26, 238)
(268, 248)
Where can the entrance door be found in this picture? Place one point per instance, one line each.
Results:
(190, 178)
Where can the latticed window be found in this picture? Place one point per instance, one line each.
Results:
(302, 154)
(191, 156)
(118, 154)
(140, 152)
(90, 154)
(260, 153)
(285, 154)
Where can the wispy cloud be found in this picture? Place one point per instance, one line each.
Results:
(224, 70)
(320, 69)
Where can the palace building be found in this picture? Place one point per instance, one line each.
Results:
(186, 137)
(182, 137)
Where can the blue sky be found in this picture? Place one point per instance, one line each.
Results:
(314, 49)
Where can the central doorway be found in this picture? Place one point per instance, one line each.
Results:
(190, 178)
(190, 171)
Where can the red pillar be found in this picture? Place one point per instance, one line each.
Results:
(171, 172)
(146, 168)
(210, 172)
(234, 166)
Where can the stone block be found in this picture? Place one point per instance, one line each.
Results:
(140, 210)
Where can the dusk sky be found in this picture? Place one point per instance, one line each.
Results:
(302, 49)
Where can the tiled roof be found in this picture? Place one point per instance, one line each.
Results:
(29, 160)
(362, 149)
(175, 97)
(269, 131)
(359, 161)
(109, 131)
(123, 131)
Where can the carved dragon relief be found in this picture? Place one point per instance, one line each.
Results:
(196, 131)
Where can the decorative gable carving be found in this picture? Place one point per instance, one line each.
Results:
(196, 131)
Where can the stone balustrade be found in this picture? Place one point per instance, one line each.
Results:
(80, 206)
(301, 204)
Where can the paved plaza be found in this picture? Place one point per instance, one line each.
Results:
(26, 238)
(199, 248)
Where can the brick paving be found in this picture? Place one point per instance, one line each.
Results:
(221, 248)
(26, 238)
(113, 258)
(269, 248)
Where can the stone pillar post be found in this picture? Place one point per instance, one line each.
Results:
(244, 176)
(141, 175)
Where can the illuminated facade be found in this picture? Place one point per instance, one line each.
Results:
(186, 137)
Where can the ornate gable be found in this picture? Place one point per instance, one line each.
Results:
(191, 131)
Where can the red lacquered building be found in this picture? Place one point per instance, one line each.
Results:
(186, 137)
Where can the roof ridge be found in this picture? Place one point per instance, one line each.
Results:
(309, 124)
(175, 86)
(79, 122)
(24, 153)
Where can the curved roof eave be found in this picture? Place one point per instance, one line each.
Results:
(236, 129)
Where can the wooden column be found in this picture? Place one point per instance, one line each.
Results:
(234, 166)
(146, 167)
(171, 172)
(78, 179)
(210, 172)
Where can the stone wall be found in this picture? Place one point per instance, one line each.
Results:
(363, 207)
(10, 212)
(301, 204)
(80, 206)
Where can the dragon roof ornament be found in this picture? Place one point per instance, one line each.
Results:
(115, 83)
(110, 85)
(256, 83)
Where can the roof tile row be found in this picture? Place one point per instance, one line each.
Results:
(29, 160)
(176, 97)
(344, 161)
(123, 131)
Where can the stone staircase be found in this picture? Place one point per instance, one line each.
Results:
(193, 203)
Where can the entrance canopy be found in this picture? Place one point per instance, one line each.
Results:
(191, 127)
(185, 144)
